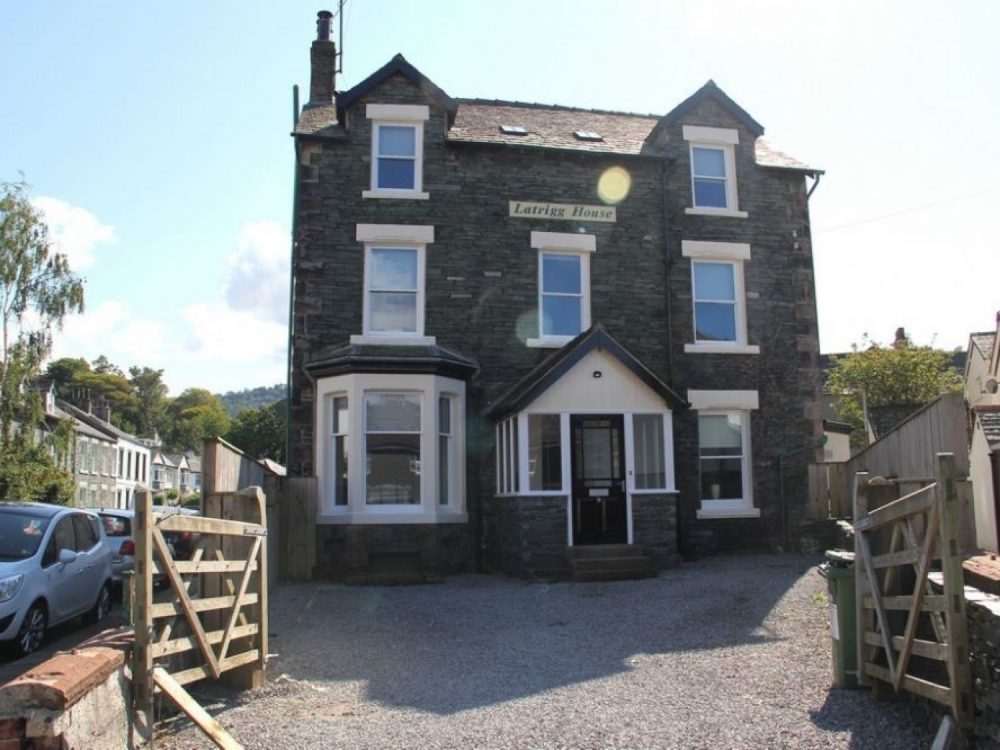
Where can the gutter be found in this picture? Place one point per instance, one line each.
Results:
(291, 287)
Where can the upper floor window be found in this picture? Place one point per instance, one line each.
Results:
(718, 297)
(563, 285)
(397, 155)
(713, 170)
(394, 283)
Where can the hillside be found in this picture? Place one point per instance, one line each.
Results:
(252, 398)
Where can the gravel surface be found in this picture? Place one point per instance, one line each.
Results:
(730, 652)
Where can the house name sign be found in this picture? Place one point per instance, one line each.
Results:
(566, 211)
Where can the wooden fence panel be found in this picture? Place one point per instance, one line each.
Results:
(297, 522)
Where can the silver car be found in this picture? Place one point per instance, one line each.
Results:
(54, 566)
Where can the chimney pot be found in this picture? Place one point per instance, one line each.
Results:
(323, 19)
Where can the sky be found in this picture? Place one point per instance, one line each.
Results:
(154, 137)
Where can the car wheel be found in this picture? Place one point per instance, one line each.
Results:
(102, 606)
(32, 631)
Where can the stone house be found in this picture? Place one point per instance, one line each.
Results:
(524, 332)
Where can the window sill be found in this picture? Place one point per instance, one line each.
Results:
(549, 342)
(418, 195)
(721, 349)
(374, 518)
(394, 340)
(655, 492)
(745, 513)
(716, 212)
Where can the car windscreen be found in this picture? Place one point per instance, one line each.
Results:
(20, 535)
(116, 525)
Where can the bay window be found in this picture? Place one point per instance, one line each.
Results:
(393, 451)
(724, 452)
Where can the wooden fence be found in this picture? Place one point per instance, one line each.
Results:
(215, 608)
(924, 651)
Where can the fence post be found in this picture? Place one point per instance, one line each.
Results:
(860, 508)
(142, 656)
(954, 588)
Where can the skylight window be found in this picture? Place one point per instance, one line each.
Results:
(588, 135)
(513, 130)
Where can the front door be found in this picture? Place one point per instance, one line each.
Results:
(599, 511)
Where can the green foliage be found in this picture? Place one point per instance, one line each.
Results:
(37, 290)
(195, 415)
(260, 432)
(151, 399)
(899, 375)
(77, 383)
(192, 501)
(252, 398)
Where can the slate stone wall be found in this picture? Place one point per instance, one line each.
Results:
(654, 527)
(526, 536)
(350, 553)
(482, 286)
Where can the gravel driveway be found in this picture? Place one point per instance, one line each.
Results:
(730, 652)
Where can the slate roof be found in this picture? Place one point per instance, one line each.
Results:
(548, 126)
(984, 342)
(557, 364)
(99, 424)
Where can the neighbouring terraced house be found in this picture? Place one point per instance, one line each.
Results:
(521, 331)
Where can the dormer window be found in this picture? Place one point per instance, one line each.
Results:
(397, 150)
(713, 171)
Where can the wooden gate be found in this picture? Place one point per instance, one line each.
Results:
(911, 636)
(212, 617)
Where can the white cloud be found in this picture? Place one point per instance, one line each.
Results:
(237, 341)
(74, 231)
(258, 272)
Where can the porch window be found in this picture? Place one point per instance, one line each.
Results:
(507, 461)
(544, 452)
(392, 449)
(650, 461)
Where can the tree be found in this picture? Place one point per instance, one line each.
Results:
(37, 290)
(260, 432)
(875, 377)
(77, 383)
(151, 399)
(195, 415)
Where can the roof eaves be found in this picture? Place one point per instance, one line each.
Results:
(398, 64)
(711, 89)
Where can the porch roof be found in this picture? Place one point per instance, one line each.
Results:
(553, 367)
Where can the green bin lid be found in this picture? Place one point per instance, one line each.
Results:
(840, 558)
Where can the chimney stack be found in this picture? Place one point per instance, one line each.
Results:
(323, 57)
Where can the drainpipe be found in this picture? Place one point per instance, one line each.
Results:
(810, 446)
(291, 287)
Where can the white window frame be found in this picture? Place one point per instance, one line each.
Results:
(564, 243)
(710, 403)
(734, 254)
(404, 115)
(395, 236)
(719, 139)
(357, 511)
(512, 446)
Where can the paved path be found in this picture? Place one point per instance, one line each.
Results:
(730, 652)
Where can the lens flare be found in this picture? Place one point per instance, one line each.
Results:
(613, 185)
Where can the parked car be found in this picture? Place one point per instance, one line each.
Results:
(54, 566)
(119, 528)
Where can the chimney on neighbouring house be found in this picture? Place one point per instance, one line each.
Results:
(323, 56)
(901, 338)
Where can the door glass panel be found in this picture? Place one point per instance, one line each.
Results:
(596, 454)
